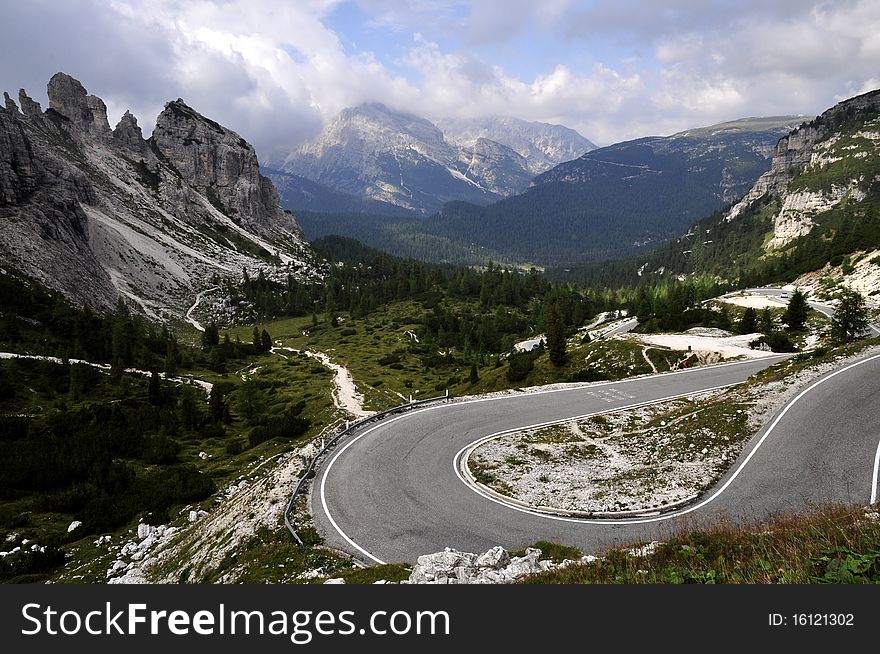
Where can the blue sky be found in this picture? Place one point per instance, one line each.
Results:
(277, 70)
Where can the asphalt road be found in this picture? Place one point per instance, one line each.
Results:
(392, 493)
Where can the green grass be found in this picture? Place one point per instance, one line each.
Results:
(282, 384)
(393, 572)
(834, 544)
(553, 551)
(272, 556)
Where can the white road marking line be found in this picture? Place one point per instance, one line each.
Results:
(669, 516)
(326, 470)
(874, 477)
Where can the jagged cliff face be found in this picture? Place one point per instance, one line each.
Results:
(99, 213)
(830, 160)
(218, 163)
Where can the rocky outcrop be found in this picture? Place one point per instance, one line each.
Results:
(29, 107)
(492, 567)
(219, 163)
(799, 150)
(100, 215)
(9, 103)
(19, 172)
(85, 112)
(129, 133)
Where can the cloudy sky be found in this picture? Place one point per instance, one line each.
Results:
(275, 70)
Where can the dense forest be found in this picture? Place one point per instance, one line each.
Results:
(104, 443)
(478, 310)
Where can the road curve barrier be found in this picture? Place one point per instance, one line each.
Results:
(350, 427)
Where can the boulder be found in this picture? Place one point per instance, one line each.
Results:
(495, 558)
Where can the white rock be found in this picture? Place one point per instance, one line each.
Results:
(203, 455)
(335, 581)
(495, 558)
(193, 516)
(76, 524)
(144, 530)
(589, 558)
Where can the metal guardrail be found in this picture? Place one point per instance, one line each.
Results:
(350, 427)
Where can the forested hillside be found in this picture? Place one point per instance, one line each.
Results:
(610, 202)
(819, 203)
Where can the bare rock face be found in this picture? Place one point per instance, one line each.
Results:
(220, 164)
(99, 215)
(10, 103)
(29, 107)
(792, 155)
(87, 113)
(19, 172)
(129, 132)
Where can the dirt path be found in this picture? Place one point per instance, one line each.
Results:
(345, 395)
(189, 318)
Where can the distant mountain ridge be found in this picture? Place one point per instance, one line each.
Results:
(608, 203)
(100, 214)
(818, 203)
(398, 158)
(542, 145)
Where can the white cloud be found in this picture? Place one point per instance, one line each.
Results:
(276, 71)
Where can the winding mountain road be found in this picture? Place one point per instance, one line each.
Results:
(393, 491)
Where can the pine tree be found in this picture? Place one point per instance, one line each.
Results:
(556, 341)
(474, 377)
(796, 313)
(266, 341)
(749, 321)
(172, 356)
(155, 389)
(211, 335)
(257, 339)
(850, 318)
(766, 322)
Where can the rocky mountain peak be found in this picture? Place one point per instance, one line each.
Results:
(29, 107)
(129, 132)
(219, 163)
(69, 98)
(10, 103)
(106, 215)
